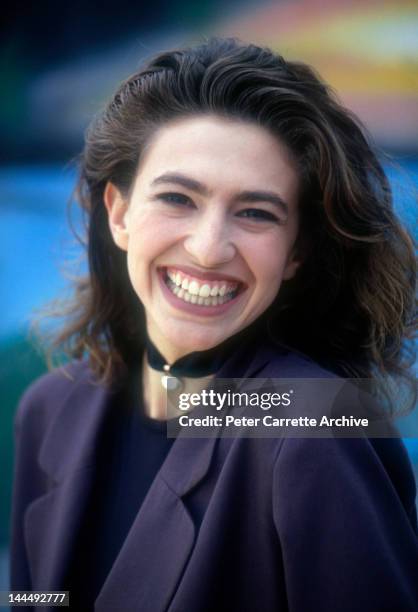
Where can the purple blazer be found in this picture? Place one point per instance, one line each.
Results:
(299, 525)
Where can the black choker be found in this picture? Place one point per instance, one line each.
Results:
(194, 365)
(201, 363)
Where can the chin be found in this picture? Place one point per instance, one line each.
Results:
(197, 345)
(196, 341)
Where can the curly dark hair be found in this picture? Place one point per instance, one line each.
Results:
(352, 304)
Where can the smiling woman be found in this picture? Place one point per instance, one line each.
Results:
(239, 226)
(193, 231)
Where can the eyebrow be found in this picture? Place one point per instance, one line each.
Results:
(183, 180)
(201, 189)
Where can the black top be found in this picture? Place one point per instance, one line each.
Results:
(132, 450)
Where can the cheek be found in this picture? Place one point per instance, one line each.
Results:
(150, 239)
(267, 262)
(151, 233)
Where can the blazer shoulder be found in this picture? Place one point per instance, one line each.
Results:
(352, 519)
(353, 468)
(283, 361)
(60, 415)
(41, 398)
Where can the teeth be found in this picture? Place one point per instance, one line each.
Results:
(204, 291)
(195, 293)
(194, 288)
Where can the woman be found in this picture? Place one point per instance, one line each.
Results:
(239, 225)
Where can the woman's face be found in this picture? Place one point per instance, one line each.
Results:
(209, 230)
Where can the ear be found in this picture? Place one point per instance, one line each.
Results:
(292, 266)
(117, 212)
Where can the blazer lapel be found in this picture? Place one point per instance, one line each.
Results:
(67, 456)
(151, 562)
(51, 524)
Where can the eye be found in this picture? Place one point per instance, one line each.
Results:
(177, 199)
(259, 215)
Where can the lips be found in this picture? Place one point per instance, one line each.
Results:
(206, 289)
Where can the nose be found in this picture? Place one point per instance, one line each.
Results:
(209, 241)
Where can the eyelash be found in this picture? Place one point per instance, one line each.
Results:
(177, 199)
(259, 214)
(256, 214)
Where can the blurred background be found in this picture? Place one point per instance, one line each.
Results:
(61, 60)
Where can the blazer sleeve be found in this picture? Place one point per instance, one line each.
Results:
(344, 510)
(29, 481)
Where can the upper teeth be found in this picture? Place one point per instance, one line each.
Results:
(202, 289)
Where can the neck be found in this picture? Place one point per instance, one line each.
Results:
(194, 371)
(161, 404)
(154, 396)
(170, 352)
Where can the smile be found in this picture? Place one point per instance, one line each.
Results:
(209, 293)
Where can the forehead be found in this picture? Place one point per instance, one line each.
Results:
(220, 152)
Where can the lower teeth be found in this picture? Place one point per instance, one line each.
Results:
(196, 299)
